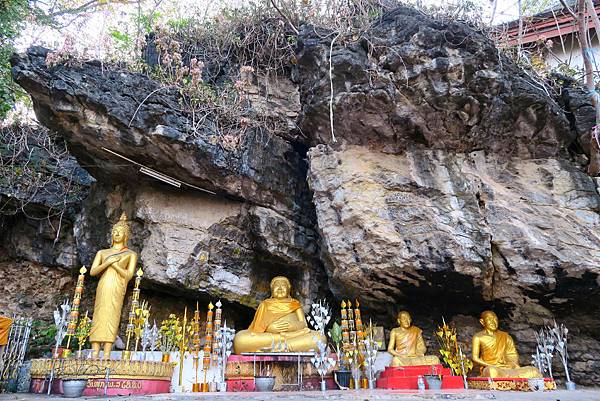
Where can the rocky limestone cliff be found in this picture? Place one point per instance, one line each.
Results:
(450, 188)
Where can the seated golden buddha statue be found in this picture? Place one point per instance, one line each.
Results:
(494, 350)
(278, 320)
(407, 346)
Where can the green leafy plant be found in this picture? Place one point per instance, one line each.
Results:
(12, 18)
(83, 331)
(41, 339)
(452, 355)
(335, 334)
(170, 334)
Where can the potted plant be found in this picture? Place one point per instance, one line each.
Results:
(343, 375)
(170, 336)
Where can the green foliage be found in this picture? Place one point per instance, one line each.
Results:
(532, 7)
(180, 23)
(41, 339)
(12, 17)
(123, 41)
(147, 20)
(335, 333)
(171, 334)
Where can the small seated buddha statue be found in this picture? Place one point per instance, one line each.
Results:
(407, 346)
(494, 350)
(278, 320)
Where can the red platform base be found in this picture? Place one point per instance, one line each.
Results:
(406, 377)
(115, 387)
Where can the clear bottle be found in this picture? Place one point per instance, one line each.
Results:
(420, 383)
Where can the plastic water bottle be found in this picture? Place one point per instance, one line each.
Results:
(420, 383)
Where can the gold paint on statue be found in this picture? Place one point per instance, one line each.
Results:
(116, 265)
(407, 346)
(494, 350)
(277, 320)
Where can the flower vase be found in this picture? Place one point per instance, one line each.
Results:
(356, 382)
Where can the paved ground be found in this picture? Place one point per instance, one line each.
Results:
(365, 395)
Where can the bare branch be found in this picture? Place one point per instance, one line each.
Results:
(285, 17)
(566, 7)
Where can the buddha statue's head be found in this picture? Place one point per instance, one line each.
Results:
(120, 231)
(280, 287)
(404, 319)
(489, 320)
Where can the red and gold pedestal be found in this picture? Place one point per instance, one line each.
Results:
(125, 377)
(407, 377)
(241, 369)
(506, 384)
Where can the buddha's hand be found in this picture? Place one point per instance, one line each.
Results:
(279, 327)
(114, 258)
(400, 348)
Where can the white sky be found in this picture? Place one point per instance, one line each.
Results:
(90, 33)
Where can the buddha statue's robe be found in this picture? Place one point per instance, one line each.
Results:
(109, 300)
(499, 351)
(5, 324)
(408, 348)
(258, 337)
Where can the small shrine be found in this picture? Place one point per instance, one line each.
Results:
(285, 348)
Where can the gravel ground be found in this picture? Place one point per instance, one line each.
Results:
(365, 395)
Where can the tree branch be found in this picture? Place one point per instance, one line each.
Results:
(285, 17)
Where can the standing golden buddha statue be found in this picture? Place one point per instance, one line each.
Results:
(278, 320)
(494, 350)
(116, 265)
(407, 346)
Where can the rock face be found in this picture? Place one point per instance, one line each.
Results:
(450, 188)
(202, 245)
(41, 190)
(422, 83)
(437, 232)
(259, 222)
(134, 116)
(414, 222)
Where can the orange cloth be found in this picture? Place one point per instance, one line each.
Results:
(5, 324)
(270, 310)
